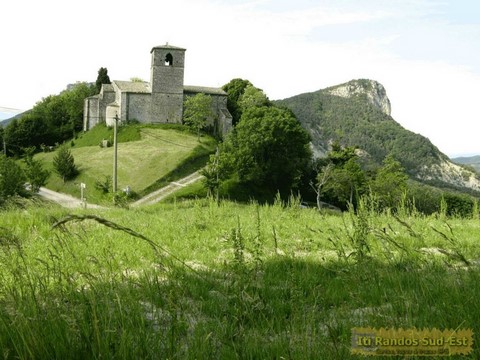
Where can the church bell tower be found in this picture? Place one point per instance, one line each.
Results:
(166, 79)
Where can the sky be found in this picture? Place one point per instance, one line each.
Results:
(426, 53)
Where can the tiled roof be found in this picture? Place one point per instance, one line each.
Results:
(203, 89)
(107, 87)
(133, 87)
(166, 46)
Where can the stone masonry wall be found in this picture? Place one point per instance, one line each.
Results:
(138, 107)
(166, 108)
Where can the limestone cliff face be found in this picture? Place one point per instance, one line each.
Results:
(373, 90)
(452, 174)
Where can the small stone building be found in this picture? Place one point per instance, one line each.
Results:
(158, 101)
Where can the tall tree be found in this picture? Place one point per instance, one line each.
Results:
(196, 112)
(253, 96)
(390, 182)
(340, 176)
(235, 89)
(35, 174)
(269, 148)
(64, 164)
(54, 119)
(12, 179)
(102, 78)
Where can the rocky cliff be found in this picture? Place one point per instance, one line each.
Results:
(371, 89)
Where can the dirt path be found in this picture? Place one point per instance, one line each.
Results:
(162, 193)
(65, 200)
(152, 198)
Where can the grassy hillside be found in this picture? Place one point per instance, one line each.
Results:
(355, 121)
(146, 154)
(193, 280)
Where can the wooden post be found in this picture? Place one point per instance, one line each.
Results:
(217, 160)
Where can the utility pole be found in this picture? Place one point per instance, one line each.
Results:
(217, 153)
(115, 154)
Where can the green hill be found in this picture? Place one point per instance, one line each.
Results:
(148, 157)
(354, 120)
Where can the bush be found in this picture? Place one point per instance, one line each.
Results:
(105, 185)
(12, 179)
(36, 175)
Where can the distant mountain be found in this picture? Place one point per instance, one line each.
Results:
(5, 122)
(357, 113)
(473, 161)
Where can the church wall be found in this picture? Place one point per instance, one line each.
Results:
(110, 113)
(166, 108)
(137, 107)
(90, 113)
(106, 98)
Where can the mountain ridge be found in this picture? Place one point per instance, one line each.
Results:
(357, 113)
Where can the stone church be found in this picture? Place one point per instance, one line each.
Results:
(158, 101)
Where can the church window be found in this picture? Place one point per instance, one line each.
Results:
(169, 60)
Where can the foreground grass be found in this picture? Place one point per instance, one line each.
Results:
(148, 154)
(196, 280)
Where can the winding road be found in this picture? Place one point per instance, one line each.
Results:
(69, 201)
(162, 193)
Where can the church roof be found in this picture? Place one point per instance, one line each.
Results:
(107, 87)
(167, 46)
(203, 89)
(133, 86)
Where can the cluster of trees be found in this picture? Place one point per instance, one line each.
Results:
(341, 179)
(14, 177)
(268, 150)
(52, 120)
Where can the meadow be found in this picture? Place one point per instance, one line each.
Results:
(167, 154)
(199, 280)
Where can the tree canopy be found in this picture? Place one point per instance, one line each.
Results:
(390, 182)
(268, 148)
(102, 78)
(54, 119)
(251, 97)
(12, 179)
(196, 112)
(64, 164)
(235, 89)
(340, 178)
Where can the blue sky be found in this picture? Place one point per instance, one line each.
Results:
(425, 52)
